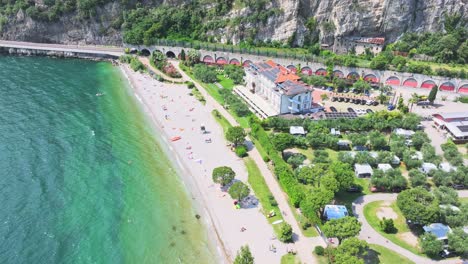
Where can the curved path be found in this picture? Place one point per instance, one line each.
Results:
(373, 237)
(146, 62)
(303, 245)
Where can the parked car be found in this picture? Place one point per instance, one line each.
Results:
(346, 90)
(340, 99)
(351, 110)
(367, 93)
(333, 99)
(347, 99)
(458, 186)
(333, 109)
(330, 89)
(357, 101)
(446, 254)
(375, 103)
(390, 107)
(354, 188)
(369, 111)
(423, 103)
(363, 102)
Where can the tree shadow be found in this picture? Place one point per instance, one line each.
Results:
(372, 257)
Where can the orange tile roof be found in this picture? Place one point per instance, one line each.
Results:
(282, 77)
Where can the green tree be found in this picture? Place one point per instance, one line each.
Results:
(193, 57)
(417, 178)
(282, 141)
(223, 175)
(377, 140)
(430, 245)
(419, 138)
(314, 202)
(328, 182)
(296, 160)
(342, 228)
(387, 225)
(286, 233)
(418, 205)
(343, 174)
(244, 256)
(239, 190)
(182, 55)
(236, 135)
(446, 195)
(310, 174)
(433, 94)
(361, 86)
(458, 242)
(205, 73)
(351, 251)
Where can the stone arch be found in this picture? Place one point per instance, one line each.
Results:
(246, 63)
(410, 82)
(463, 88)
(292, 68)
(353, 75)
(447, 86)
(133, 51)
(338, 74)
(306, 70)
(208, 59)
(393, 80)
(221, 61)
(234, 61)
(428, 84)
(170, 54)
(371, 78)
(321, 71)
(145, 52)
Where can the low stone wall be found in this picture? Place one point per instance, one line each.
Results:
(56, 53)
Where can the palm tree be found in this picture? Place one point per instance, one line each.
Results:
(413, 100)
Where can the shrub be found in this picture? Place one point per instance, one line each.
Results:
(286, 233)
(305, 224)
(191, 85)
(241, 151)
(272, 200)
(319, 250)
(296, 160)
(387, 225)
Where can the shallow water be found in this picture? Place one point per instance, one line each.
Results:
(83, 179)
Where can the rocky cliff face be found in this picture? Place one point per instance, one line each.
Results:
(367, 18)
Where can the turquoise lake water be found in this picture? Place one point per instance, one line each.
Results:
(83, 179)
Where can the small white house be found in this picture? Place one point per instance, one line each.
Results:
(403, 132)
(447, 167)
(384, 167)
(428, 167)
(396, 160)
(363, 170)
(335, 132)
(417, 155)
(297, 130)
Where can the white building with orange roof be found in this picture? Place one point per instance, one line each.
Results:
(282, 89)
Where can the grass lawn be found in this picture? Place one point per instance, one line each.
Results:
(290, 259)
(225, 82)
(222, 121)
(382, 255)
(464, 200)
(259, 186)
(370, 212)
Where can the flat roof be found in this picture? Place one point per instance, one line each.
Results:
(458, 129)
(453, 115)
(363, 168)
(384, 166)
(294, 130)
(438, 229)
(333, 211)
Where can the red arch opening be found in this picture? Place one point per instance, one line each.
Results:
(410, 83)
(447, 86)
(208, 59)
(428, 84)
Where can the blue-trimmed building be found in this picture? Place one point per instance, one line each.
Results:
(335, 211)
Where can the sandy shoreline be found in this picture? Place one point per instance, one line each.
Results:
(195, 158)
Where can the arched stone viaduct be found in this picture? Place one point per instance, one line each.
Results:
(401, 79)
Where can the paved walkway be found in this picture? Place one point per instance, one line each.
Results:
(146, 62)
(303, 245)
(115, 51)
(373, 237)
